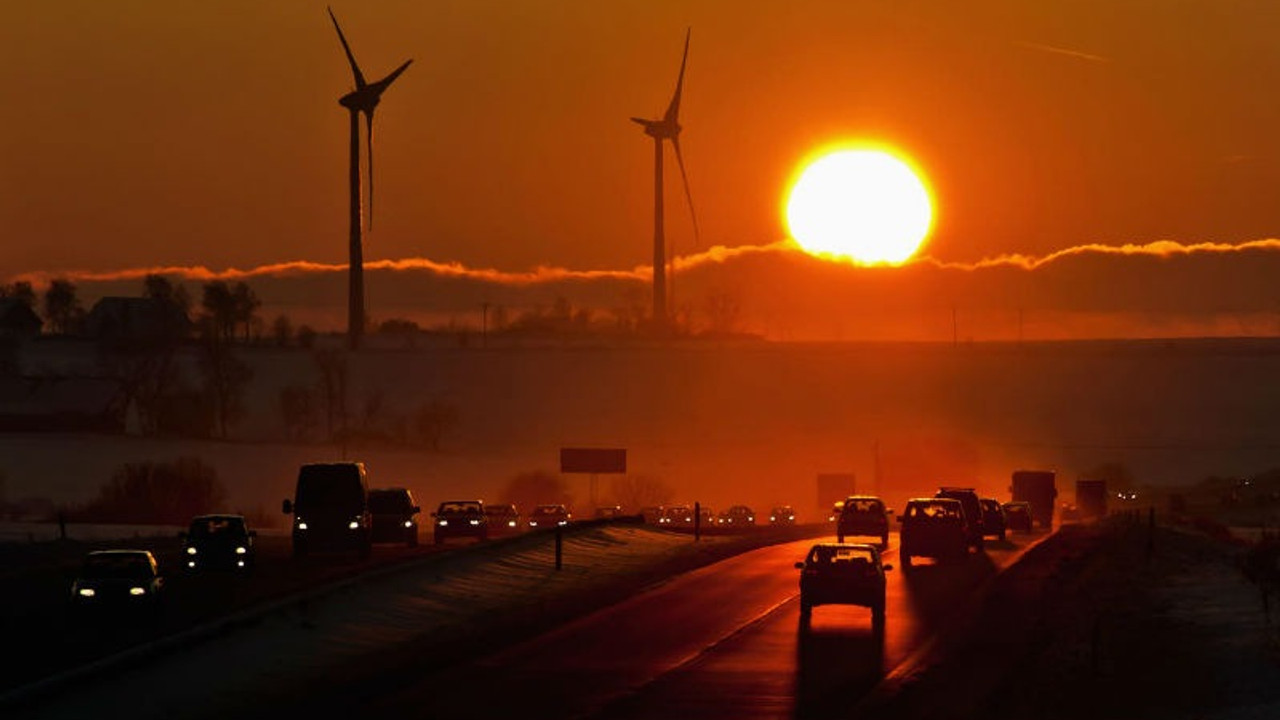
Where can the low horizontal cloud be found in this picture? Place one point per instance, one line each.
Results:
(1135, 289)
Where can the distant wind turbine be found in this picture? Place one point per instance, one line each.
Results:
(364, 99)
(668, 128)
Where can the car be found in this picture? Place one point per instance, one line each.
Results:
(933, 527)
(330, 509)
(651, 514)
(1017, 516)
(863, 516)
(972, 505)
(218, 542)
(993, 522)
(118, 580)
(460, 518)
(737, 516)
(504, 519)
(782, 515)
(843, 574)
(677, 516)
(546, 516)
(393, 511)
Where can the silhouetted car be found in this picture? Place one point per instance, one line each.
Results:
(547, 516)
(1017, 516)
(843, 574)
(737, 516)
(993, 522)
(460, 518)
(968, 498)
(782, 515)
(504, 519)
(933, 527)
(330, 509)
(218, 542)
(651, 514)
(677, 516)
(863, 516)
(393, 511)
(118, 580)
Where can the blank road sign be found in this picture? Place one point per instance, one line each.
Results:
(593, 460)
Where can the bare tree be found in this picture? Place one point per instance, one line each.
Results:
(539, 487)
(225, 377)
(281, 330)
(332, 365)
(219, 311)
(244, 307)
(62, 307)
(21, 291)
(297, 409)
(636, 491)
(433, 419)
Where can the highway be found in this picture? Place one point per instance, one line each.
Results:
(723, 641)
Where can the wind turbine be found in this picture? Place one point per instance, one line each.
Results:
(667, 128)
(361, 100)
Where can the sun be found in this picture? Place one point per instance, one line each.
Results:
(866, 206)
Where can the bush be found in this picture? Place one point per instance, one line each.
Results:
(157, 493)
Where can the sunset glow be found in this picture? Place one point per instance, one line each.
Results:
(866, 206)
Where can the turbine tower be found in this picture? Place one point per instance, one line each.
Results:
(668, 128)
(361, 100)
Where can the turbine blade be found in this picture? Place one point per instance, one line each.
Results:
(673, 110)
(385, 82)
(368, 123)
(355, 69)
(684, 179)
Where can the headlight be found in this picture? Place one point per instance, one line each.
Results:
(772, 518)
(191, 551)
(791, 517)
(354, 524)
(302, 525)
(87, 592)
(191, 563)
(564, 522)
(511, 523)
(240, 563)
(240, 551)
(751, 518)
(135, 591)
(443, 523)
(408, 523)
(533, 523)
(475, 522)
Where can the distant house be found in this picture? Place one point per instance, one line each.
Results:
(61, 404)
(135, 318)
(18, 320)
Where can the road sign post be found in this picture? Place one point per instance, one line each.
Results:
(593, 462)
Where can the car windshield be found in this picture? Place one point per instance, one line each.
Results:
(213, 527)
(837, 555)
(864, 506)
(459, 508)
(132, 566)
(389, 501)
(324, 486)
(935, 510)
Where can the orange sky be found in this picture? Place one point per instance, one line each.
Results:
(142, 133)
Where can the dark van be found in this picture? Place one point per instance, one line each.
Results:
(331, 509)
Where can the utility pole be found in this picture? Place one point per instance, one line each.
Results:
(484, 324)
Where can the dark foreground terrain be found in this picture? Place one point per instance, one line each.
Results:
(1103, 622)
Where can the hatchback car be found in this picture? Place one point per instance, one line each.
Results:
(549, 516)
(993, 522)
(843, 574)
(968, 498)
(933, 527)
(504, 519)
(863, 516)
(394, 516)
(1017, 516)
(677, 516)
(218, 542)
(782, 515)
(737, 516)
(118, 580)
(460, 518)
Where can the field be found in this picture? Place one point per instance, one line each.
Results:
(724, 423)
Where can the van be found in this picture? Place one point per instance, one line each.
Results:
(330, 509)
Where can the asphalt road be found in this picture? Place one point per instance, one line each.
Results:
(723, 641)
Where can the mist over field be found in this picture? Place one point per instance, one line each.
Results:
(744, 422)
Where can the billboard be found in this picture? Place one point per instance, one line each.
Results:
(593, 460)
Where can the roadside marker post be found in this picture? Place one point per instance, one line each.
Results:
(559, 548)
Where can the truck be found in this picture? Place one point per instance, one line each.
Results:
(1038, 488)
(1091, 498)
